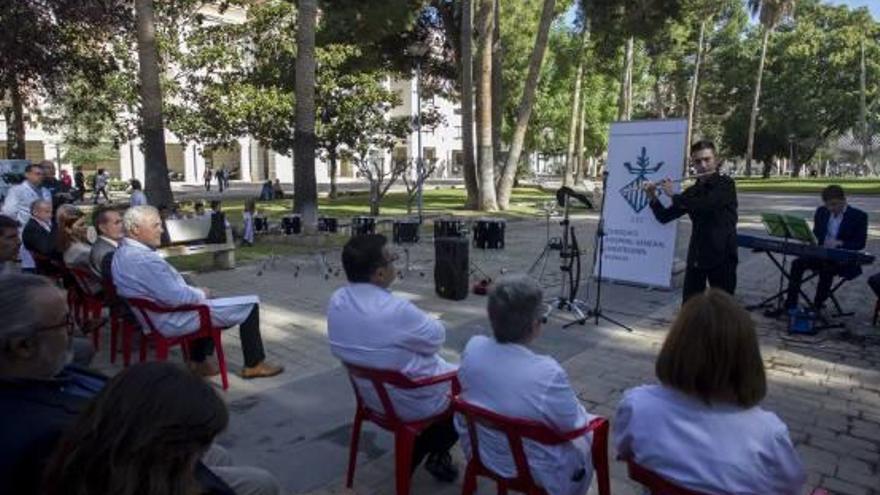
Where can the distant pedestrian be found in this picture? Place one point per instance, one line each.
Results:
(137, 194)
(66, 181)
(250, 212)
(226, 174)
(102, 178)
(219, 176)
(207, 177)
(79, 180)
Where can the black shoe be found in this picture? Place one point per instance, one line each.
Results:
(441, 467)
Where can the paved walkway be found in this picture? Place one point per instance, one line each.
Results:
(827, 389)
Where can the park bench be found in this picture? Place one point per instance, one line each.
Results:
(189, 236)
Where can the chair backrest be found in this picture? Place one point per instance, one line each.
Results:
(380, 379)
(516, 429)
(84, 280)
(656, 484)
(145, 306)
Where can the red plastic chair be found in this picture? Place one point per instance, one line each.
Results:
(87, 304)
(120, 322)
(163, 343)
(405, 432)
(516, 430)
(658, 485)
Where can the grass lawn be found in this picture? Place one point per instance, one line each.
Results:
(784, 185)
(525, 202)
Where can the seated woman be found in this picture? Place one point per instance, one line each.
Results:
(130, 442)
(72, 239)
(702, 428)
(503, 375)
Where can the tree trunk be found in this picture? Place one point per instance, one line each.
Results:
(692, 101)
(305, 189)
(863, 111)
(581, 160)
(333, 173)
(157, 187)
(497, 89)
(467, 106)
(485, 152)
(16, 142)
(624, 106)
(526, 103)
(753, 118)
(374, 198)
(567, 173)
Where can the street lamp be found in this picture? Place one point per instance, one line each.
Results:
(418, 50)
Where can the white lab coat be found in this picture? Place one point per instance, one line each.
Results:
(18, 206)
(511, 380)
(140, 272)
(368, 326)
(722, 448)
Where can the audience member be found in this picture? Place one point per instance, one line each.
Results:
(38, 238)
(277, 190)
(109, 226)
(79, 181)
(153, 442)
(703, 428)
(10, 244)
(39, 396)
(138, 271)
(503, 375)
(138, 197)
(72, 239)
(266, 192)
(368, 326)
(66, 181)
(250, 211)
(19, 199)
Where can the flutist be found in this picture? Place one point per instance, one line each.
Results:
(711, 205)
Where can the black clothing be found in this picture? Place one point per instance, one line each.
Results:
(853, 233)
(874, 283)
(435, 439)
(34, 414)
(251, 342)
(712, 252)
(39, 241)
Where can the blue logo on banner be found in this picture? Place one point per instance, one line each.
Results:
(633, 192)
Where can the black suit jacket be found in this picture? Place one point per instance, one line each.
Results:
(37, 240)
(711, 205)
(853, 232)
(101, 257)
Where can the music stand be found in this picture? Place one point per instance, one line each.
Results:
(775, 225)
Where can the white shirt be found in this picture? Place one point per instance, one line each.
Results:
(18, 206)
(138, 198)
(140, 272)
(710, 449)
(248, 218)
(834, 222)
(368, 326)
(513, 381)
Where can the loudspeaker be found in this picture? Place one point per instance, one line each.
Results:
(451, 270)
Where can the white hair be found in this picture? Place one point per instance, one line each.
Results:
(515, 303)
(38, 203)
(137, 215)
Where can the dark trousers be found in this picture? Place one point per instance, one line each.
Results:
(826, 272)
(251, 342)
(721, 277)
(874, 282)
(207, 184)
(99, 192)
(436, 439)
(220, 183)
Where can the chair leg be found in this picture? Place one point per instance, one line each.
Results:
(469, 487)
(600, 459)
(144, 347)
(501, 488)
(161, 349)
(127, 334)
(404, 443)
(221, 359)
(353, 448)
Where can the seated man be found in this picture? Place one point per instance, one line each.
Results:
(138, 271)
(836, 225)
(38, 237)
(41, 397)
(10, 244)
(368, 326)
(109, 225)
(503, 375)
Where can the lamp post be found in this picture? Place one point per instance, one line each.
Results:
(418, 50)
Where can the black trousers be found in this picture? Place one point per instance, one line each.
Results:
(251, 342)
(436, 439)
(827, 271)
(874, 282)
(721, 277)
(207, 184)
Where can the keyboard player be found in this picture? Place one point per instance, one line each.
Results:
(836, 225)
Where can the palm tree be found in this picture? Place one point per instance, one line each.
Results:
(158, 187)
(624, 104)
(305, 190)
(695, 83)
(770, 12)
(568, 172)
(526, 102)
(485, 152)
(467, 105)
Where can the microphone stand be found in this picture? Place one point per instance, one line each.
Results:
(598, 255)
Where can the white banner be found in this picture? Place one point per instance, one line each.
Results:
(638, 248)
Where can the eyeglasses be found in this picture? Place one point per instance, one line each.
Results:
(68, 323)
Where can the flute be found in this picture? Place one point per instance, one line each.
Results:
(676, 181)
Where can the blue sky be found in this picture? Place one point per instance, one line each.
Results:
(873, 5)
